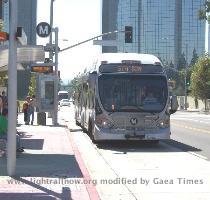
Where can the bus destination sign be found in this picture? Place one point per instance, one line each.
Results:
(131, 68)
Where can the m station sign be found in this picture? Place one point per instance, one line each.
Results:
(43, 29)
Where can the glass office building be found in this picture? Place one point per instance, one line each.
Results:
(164, 28)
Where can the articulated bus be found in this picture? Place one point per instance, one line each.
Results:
(125, 98)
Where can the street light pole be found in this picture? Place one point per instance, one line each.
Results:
(55, 116)
(96, 37)
(185, 81)
(207, 33)
(51, 25)
(12, 89)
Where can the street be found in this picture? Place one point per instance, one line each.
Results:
(191, 132)
(175, 169)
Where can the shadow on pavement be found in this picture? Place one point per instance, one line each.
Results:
(182, 146)
(32, 143)
(44, 165)
(146, 146)
(43, 194)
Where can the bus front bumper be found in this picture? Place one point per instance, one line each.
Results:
(108, 134)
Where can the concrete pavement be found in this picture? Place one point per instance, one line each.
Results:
(49, 168)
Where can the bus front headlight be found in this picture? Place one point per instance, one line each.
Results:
(103, 122)
(164, 123)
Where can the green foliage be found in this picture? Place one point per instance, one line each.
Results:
(182, 62)
(194, 57)
(1, 24)
(202, 13)
(32, 86)
(3, 78)
(200, 79)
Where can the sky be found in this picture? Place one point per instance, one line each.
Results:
(77, 20)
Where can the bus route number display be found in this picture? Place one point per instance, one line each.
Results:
(141, 69)
(133, 69)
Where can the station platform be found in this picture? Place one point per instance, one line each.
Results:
(50, 168)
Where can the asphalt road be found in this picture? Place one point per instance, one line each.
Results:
(191, 132)
(174, 169)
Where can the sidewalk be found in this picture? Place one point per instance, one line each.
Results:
(194, 110)
(48, 169)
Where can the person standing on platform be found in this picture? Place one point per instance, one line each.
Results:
(26, 110)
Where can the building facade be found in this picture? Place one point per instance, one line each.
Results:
(27, 10)
(109, 23)
(167, 29)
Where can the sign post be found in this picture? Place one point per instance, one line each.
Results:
(12, 90)
(55, 117)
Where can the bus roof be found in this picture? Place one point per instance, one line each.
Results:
(60, 92)
(119, 57)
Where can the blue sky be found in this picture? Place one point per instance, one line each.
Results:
(77, 21)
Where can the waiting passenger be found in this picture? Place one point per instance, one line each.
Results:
(3, 129)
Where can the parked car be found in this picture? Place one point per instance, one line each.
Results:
(64, 102)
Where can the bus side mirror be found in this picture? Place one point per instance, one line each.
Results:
(174, 105)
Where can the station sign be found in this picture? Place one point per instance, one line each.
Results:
(43, 29)
(42, 69)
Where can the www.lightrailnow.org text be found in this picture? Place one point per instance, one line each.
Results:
(142, 181)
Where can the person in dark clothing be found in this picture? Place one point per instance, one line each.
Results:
(26, 110)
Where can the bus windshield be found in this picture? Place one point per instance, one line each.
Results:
(133, 93)
(62, 95)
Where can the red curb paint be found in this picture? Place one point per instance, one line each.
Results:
(91, 189)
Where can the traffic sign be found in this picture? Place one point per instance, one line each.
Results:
(43, 29)
(50, 47)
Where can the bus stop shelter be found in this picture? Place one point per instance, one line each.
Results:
(25, 54)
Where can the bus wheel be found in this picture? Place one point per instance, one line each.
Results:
(90, 133)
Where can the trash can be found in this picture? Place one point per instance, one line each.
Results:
(41, 118)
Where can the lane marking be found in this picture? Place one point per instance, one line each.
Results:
(198, 155)
(191, 128)
(204, 121)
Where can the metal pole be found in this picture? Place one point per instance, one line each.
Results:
(12, 90)
(185, 81)
(55, 117)
(96, 37)
(51, 25)
(207, 36)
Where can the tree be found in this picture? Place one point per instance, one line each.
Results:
(1, 24)
(194, 58)
(32, 86)
(200, 80)
(202, 13)
(182, 62)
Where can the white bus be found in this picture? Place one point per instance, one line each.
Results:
(63, 95)
(125, 98)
